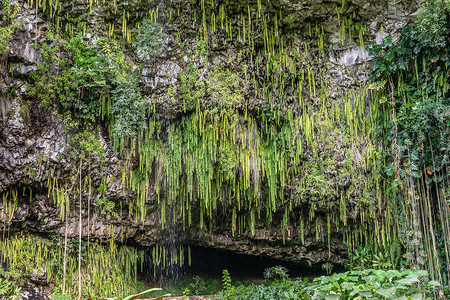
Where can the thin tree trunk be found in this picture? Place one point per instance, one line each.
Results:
(65, 250)
(89, 203)
(79, 239)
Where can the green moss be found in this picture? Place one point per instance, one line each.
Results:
(8, 22)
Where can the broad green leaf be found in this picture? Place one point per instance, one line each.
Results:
(389, 169)
(393, 273)
(417, 296)
(408, 142)
(408, 280)
(368, 294)
(421, 273)
(415, 174)
(353, 278)
(376, 85)
(348, 285)
(434, 283)
(386, 292)
(382, 99)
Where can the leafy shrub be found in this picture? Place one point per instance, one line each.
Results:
(89, 82)
(364, 284)
(90, 70)
(228, 291)
(149, 39)
(202, 286)
(8, 23)
(279, 290)
(8, 290)
(53, 83)
(410, 83)
(372, 284)
(192, 89)
(190, 285)
(360, 259)
(382, 261)
(85, 144)
(277, 272)
(128, 108)
(433, 24)
(283, 290)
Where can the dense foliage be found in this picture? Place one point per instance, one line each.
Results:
(411, 83)
(149, 40)
(89, 83)
(364, 284)
(8, 23)
(108, 270)
(254, 139)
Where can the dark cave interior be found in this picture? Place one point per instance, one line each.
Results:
(210, 262)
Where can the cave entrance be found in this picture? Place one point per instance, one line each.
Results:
(210, 262)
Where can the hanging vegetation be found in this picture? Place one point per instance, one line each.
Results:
(108, 270)
(411, 81)
(253, 132)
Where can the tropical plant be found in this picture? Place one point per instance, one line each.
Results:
(186, 293)
(8, 23)
(372, 284)
(190, 285)
(8, 290)
(149, 39)
(360, 259)
(228, 290)
(433, 24)
(277, 272)
(328, 266)
(128, 108)
(410, 85)
(382, 261)
(282, 290)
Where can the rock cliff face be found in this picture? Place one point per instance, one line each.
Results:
(34, 141)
